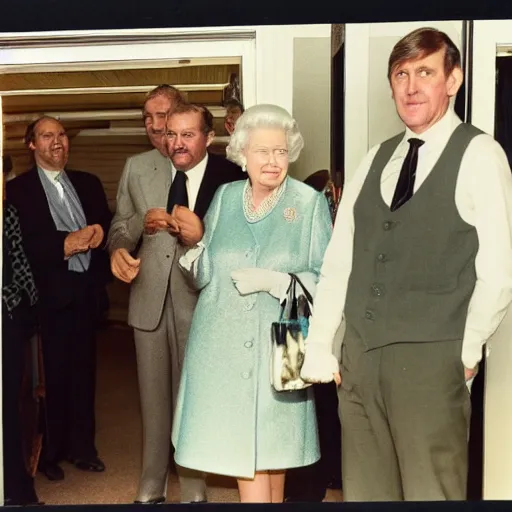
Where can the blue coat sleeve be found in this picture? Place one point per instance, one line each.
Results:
(197, 261)
(321, 230)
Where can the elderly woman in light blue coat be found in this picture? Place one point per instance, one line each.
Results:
(229, 420)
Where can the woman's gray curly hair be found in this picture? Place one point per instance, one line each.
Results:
(264, 116)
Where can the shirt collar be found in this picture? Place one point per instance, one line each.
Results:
(52, 175)
(438, 133)
(196, 171)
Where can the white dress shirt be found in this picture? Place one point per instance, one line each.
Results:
(483, 197)
(194, 179)
(52, 176)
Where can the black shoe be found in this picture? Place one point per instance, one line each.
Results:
(51, 470)
(155, 501)
(94, 464)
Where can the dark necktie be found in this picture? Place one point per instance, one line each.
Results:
(178, 191)
(405, 186)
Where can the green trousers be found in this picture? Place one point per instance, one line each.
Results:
(405, 412)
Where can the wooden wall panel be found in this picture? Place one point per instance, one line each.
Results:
(212, 74)
(99, 101)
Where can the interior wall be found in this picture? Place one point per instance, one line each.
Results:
(312, 102)
(293, 69)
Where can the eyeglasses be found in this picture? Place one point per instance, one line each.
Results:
(278, 153)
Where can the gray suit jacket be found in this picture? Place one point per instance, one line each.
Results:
(145, 184)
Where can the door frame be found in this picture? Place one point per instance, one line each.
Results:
(127, 49)
(75, 50)
(489, 37)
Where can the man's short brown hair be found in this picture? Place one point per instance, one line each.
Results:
(169, 91)
(206, 115)
(421, 43)
(30, 132)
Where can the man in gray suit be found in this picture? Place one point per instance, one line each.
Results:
(161, 300)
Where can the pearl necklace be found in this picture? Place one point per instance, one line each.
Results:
(265, 207)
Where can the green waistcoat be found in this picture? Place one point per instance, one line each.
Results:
(413, 270)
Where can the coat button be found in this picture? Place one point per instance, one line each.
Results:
(248, 344)
(248, 306)
(387, 225)
(381, 257)
(369, 315)
(245, 375)
(377, 290)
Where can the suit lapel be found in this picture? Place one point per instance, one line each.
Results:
(209, 184)
(38, 201)
(155, 181)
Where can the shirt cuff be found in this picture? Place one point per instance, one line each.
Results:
(471, 352)
(190, 257)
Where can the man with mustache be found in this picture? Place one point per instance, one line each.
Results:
(64, 215)
(180, 177)
(420, 267)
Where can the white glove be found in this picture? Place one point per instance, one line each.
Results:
(252, 280)
(319, 365)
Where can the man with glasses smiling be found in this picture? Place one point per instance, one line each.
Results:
(161, 300)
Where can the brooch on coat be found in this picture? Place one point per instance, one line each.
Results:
(290, 214)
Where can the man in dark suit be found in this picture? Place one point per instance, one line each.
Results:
(63, 216)
(161, 300)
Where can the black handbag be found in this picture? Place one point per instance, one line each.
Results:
(288, 338)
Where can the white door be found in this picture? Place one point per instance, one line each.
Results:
(491, 38)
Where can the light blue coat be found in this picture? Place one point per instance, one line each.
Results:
(228, 418)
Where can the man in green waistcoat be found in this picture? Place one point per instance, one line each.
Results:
(420, 268)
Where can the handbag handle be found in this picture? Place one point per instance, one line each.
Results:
(289, 307)
(304, 289)
(287, 304)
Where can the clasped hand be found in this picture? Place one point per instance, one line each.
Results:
(82, 240)
(182, 223)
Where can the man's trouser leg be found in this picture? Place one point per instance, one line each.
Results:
(159, 361)
(405, 411)
(153, 367)
(369, 464)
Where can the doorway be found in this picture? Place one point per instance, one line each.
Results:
(492, 42)
(96, 86)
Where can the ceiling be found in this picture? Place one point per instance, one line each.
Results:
(105, 100)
